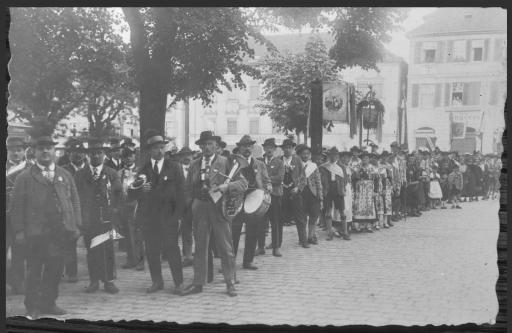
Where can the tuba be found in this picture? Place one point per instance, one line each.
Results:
(232, 204)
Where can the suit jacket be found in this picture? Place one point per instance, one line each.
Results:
(326, 180)
(275, 170)
(262, 178)
(220, 164)
(165, 201)
(108, 162)
(28, 201)
(72, 169)
(314, 182)
(109, 200)
(298, 175)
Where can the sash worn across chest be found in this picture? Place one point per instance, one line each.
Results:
(334, 168)
(310, 168)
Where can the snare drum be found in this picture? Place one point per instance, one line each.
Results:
(257, 203)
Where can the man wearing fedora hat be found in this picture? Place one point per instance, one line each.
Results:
(185, 158)
(15, 151)
(100, 190)
(160, 205)
(45, 216)
(275, 170)
(293, 183)
(113, 160)
(133, 235)
(257, 177)
(77, 161)
(206, 189)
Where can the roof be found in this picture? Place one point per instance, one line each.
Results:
(447, 21)
(296, 43)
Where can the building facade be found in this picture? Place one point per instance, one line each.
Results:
(234, 113)
(457, 80)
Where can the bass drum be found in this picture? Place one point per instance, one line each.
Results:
(257, 203)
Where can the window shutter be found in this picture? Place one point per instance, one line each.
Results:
(468, 50)
(437, 96)
(415, 93)
(465, 94)
(486, 50)
(450, 51)
(493, 93)
(447, 92)
(440, 52)
(475, 93)
(498, 45)
(417, 53)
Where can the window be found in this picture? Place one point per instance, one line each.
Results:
(429, 52)
(465, 93)
(254, 126)
(426, 95)
(275, 129)
(232, 126)
(211, 124)
(459, 50)
(477, 50)
(254, 92)
(169, 128)
(495, 91)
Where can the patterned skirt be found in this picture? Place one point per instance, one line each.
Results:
(364, 203)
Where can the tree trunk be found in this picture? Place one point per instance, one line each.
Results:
(316, 119)
(152, 109)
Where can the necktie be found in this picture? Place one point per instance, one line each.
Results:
(155, 168)
(96, 174)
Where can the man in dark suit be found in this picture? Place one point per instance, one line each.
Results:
(76, 153)
(293, 184)
(207, 189)
(256, 174)
(185, 157)
(45, 216)
(275, 170)
(114, 159)
(160, 205)
(100, 193)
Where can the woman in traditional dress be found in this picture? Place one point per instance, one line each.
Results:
(366, 180)
(456, 185)
(435, 193)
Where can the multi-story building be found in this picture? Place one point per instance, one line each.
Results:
(233, 113)
(457, 80)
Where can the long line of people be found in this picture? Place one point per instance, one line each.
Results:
(199, 196)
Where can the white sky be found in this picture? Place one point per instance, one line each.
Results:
(399, 44)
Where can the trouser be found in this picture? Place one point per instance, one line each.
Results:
(331, 199)
(251, 234)
(133, 236)
(426, 190)
(186, 234)
(273, 217)
(100, 260)
(312, 211)
(162, 236)
(71, 263)
(295, 204)
(262, 231)
(207, 219)
(18, 259)
(45, 265)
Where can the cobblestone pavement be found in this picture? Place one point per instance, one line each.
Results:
(436, 269)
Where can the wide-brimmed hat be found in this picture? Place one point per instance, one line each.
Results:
(394, 144)
(185, 151)
(95, 143)
(207, 135)
(300, 148)
(127, 151)
(128, 143)
(355, 149)
(270, 142)
(345, 153)
(76, 146)
(245, 140)
(153, 137)
(115, 144)
(333, 150)
(43, 140)
(373, 145)
(222, 144)
(384, 154)
(288, 143)
(13, 142)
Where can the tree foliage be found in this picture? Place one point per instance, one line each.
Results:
(286, 84)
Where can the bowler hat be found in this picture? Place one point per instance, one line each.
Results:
(355, 149)
(14, 141)
(394, 144)
(76, 146)
(288, 143)
(95, 143)
(153, 137)
(245, 140)
(185, 151)
(128, 143)
(333, 150)
(127, 151)
(207, 135)
(270, 142)
(300, 148)
(43, 140)
(115, 144)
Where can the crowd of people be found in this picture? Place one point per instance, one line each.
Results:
(107, 193)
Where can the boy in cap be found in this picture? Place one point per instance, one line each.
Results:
(100, 192)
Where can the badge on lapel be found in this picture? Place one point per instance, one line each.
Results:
(60, 179)
(165, 178)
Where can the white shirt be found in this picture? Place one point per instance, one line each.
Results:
(185, 170)
(159, 164)
(48, 172)
(267, 159)
(116, 162)
(77, 167)
(97, 168)
(249, 159)
(203, 165)
(287, 160)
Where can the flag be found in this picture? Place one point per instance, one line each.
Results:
(335, 101)
(102, 238)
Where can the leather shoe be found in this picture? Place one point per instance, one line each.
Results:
(346, 237)
(330, 237)
(127, 266)
(192, 289)
(231, 290)
(390, 224)
(269, 246)
(93, 287)
(368, 230)
(249, 266)
(72, 279)
(305, 245)
(313, 241)
(261, 251)
(276, 253)
(110, 288)
(140, 266)
(178, 290)
(155, 287)
(53, 310)
(187, 262)
(33, 314)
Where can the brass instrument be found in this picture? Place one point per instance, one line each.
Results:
(232, 204)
